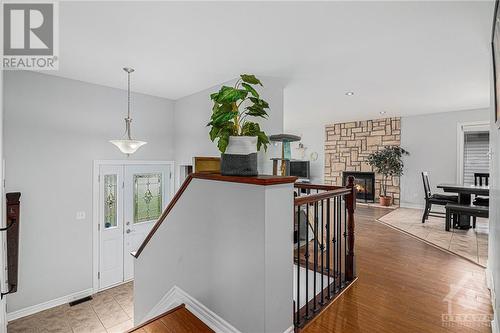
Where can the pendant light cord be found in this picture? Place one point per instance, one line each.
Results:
(128, 120)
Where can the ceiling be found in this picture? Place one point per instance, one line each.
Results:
(399, 57)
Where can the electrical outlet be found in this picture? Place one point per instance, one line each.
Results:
(80, 215)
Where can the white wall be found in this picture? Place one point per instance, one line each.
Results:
(192, 113)
(3, 303)
(54, 129)
(233, 253)
(493, 269)
(313, 139)
(432, 142)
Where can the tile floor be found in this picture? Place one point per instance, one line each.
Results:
(471, 244)
(110, 311)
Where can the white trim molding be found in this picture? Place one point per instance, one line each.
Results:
(48, 305)
(176, 296)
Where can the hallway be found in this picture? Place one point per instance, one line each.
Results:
(406, 285)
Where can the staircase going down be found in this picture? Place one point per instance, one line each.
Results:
(177, 320)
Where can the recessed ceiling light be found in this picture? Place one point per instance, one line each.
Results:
(382, 112)
(349, 93)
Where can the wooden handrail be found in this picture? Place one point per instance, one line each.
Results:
(322, 187)
(164, 215)
(12, 229)
(257, 180)
(302, 200)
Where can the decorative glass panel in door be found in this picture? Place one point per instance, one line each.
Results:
(147, 191)
(111, 225)
(110, 201)
(148, 197)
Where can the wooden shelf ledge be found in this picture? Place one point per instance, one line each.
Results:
(264, 180)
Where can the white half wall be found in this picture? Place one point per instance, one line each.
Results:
(233, 253)
(431, 140)
(54, 129)
(192, 113)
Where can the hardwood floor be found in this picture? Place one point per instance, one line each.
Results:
(177, 320)
(404, 285)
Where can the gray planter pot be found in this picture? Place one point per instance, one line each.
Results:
(240, 158)
(238, 165)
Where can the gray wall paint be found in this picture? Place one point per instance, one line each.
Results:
(192, 114)
(432, 142)
(313, 139)
(54, 130)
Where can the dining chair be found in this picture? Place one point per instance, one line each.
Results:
(480, 179)
(434, 199)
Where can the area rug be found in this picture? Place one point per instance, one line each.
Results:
(470, 244)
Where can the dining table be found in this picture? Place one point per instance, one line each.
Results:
(465, 193)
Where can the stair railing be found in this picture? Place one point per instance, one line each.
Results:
(324, 246)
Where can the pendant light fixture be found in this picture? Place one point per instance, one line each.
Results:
(128, 145)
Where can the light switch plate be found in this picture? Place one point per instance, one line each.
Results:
(80, 215)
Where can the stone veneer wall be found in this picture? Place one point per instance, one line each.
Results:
(348, 145)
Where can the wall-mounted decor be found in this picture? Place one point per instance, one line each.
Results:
(495, 45)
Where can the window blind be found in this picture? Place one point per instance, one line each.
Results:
(476, 159)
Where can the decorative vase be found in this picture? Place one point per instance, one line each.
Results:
(385, 200)
(240, 158)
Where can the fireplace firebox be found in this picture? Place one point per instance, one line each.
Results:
(364, 183)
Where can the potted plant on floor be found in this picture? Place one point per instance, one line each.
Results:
(238, 138)
(388, 162)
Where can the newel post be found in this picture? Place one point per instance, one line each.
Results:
(350, 203)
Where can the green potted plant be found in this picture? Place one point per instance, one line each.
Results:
(238, 138)
(388, 162)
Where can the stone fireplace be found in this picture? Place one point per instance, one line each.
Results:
(348, 145)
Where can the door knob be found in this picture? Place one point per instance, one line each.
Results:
(128, 231)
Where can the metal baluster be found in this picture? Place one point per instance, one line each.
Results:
(297, 316)
(306, 256)
(334, 245)
(315, 261)
(339, 241)
(328, 245)
(345, 234)
(322, 248)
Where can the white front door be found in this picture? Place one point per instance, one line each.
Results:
(131, 197)
(147, 190)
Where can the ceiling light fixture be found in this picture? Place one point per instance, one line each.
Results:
(382, 112)
(128, 145)
(349, 93)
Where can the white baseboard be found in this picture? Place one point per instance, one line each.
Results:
(176, 296)
(289, 329)
(47, 305)
(410, 205)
